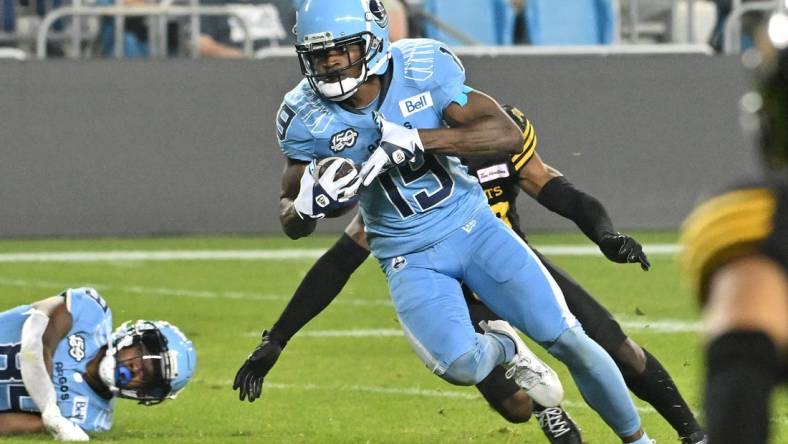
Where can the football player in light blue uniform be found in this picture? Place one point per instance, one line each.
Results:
(401, 112)
(62, 366)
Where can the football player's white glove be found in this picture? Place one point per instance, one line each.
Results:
(398, 145)
(316, 198)
(63, 429)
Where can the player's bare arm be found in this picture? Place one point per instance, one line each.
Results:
(749, 294)
(293, 225)
(480, 127)
(19, 423)
(553, 191)
(535, 174)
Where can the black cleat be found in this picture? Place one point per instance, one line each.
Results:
(698, 437)
(558, 426)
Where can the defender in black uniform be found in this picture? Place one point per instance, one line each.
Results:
(736, 255)
(501, 179)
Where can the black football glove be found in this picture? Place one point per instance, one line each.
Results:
(623, 249)
(249, 379)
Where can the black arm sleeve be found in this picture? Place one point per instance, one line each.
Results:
(320, 286)
(776, 245)
(560, 196)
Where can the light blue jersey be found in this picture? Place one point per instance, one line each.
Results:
(429, 226)
(416, 205)
(90, 331)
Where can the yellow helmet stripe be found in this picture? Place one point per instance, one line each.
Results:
(723, 228)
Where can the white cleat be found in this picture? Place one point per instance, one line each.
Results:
(529, 372)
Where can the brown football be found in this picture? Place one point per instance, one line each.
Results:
(347, 168)
(323, 164)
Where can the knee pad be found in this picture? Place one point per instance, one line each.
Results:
(573, 348)
(465, 370)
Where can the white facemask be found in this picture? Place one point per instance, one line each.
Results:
(334, 91)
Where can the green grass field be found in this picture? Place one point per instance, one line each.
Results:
(369, 388)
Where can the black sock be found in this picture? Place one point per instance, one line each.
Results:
(742, 369)
(656, 387)
(320, 286)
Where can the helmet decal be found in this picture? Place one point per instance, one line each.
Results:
(379, 12)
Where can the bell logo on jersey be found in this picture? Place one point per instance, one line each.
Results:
(414, 104)
(343, 139)
(79, 411)
(76, 347)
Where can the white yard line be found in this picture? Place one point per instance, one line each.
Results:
(158, 291)
(653, 325)
(400, 391)
(260, 255)
(656, 325)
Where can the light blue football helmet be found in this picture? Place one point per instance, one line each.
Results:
(325, 25)
(170, 351)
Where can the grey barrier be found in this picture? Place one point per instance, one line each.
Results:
(187, 146)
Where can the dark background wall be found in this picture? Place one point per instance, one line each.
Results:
(160, 147)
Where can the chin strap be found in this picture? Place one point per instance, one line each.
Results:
(108, 367)
(107, 371)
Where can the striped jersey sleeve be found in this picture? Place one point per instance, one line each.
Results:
(529, 146)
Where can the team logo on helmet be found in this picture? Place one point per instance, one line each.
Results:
(379, 12)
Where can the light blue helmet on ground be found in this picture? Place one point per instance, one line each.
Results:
(170, 352)
(323, 25)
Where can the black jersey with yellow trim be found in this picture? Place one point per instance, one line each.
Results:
(499, 177)
(746, 220)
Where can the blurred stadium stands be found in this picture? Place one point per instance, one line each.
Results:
(171, 28)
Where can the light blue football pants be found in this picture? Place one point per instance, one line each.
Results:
(508, 277)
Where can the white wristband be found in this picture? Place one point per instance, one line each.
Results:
(34, 372)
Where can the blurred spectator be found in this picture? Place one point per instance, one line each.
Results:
(749, 23)
(8, 15)
(135, 33)
(398, 19)
(269, 23)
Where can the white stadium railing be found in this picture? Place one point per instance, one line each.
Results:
(120, 12)
(733, 26)
(629, 25)
(493, 51)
